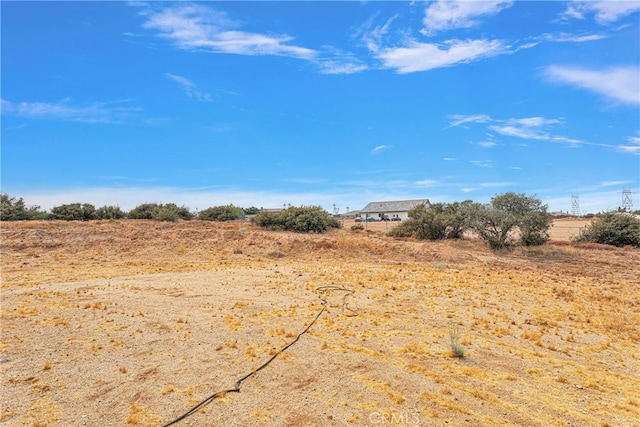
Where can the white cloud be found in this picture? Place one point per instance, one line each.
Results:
(97, 112)
(487, 144)
(194, 27)
(426, 183)
(416, 56)
(619, 83)
(189, 88)
(573, 38)
(533, 128)
(380, 148)
(632, 148)
(445, 15)
(533, 121)
(605, 11)
(482, 163)
(459, 119)
(338, 67)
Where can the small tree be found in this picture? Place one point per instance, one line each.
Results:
(498, 222)
(74, 212)
(617, 229)
(221, 213)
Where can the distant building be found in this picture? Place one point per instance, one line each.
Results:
(393, 209)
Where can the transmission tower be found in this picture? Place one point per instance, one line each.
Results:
(575, 205)
(627, 202)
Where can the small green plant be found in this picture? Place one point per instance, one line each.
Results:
(357, 227)
(457, 350)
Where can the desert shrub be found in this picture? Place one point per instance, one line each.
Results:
(221, 213)
(498, 222)
(302, 219)
(617, 229)
(110, 212)
(160, 212)
(435, 222)
(74, 212)
(357, 227)
(144, 211)
(251, 210)
(268, 220)
(15, 209)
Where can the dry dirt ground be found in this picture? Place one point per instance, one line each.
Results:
(119, 323)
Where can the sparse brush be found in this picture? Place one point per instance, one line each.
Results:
(457, 350)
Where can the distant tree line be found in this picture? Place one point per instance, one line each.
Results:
(15, 209)
(509, 219)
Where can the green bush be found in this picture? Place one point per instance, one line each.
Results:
(617, 229)
(160, 212)
(144, 211)
(221, 213)
(303, 219)
(13, 209)
(435, 222)
(251, 210)
(110, 212)
(74, 212)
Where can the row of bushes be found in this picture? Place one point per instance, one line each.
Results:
(509, 219)
(15, 209)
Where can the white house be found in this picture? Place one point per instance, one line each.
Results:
(392, 209)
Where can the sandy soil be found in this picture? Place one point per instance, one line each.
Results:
(118, 323)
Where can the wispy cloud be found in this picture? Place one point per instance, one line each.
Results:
(460, 119)
(482, 163)
(416, 56)
(530, 128)
(380, 148)
(633, 147)
(605, 11)
(199, 27)
(97, 112)
(189, 88)
(487, 144)
(336, 61)
(533, 128)
(571, 38)
(447, 15)
(620, 83)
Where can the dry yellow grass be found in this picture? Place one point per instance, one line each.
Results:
(131, 322)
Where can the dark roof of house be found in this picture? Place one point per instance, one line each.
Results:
(394, 206)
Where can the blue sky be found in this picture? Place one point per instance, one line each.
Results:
(320, 103)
